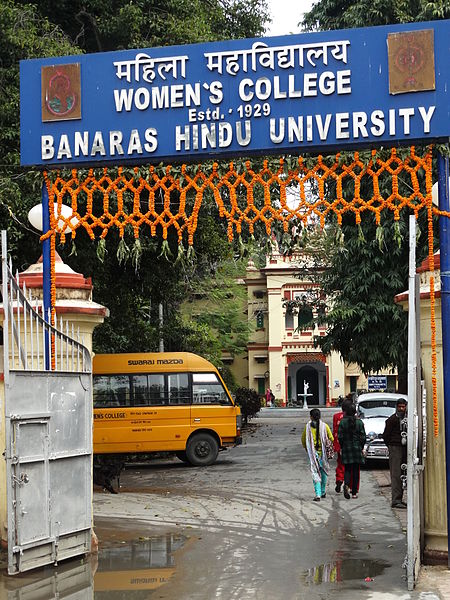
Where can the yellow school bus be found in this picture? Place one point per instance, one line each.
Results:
(160, 402)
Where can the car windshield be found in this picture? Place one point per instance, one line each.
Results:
(376, 408)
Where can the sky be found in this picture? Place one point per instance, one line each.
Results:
(286, 14)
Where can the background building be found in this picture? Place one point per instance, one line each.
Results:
(282, 356)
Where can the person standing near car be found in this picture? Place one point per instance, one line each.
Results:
(352, 437)
(396, 442)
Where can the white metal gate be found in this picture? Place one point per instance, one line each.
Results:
(48, 420)
(416, 440)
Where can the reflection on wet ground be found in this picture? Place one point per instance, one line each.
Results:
(124, 569)
(138, 566)
(344, 570)
(70, 579)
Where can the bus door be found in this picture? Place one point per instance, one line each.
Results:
(211, 405)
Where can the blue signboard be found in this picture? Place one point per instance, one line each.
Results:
(376, 383)
(309, 92)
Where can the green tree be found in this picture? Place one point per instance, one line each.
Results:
(133, 295)
(347, 14)
(25, 34)
(218, 303)
(102, 25)
(370, 265)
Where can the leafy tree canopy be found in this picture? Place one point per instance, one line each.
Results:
(346, 14)
(133, 295)
(370, 265)
(101, 25)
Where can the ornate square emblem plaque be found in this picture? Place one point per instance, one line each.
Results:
(61, 92)
(411, 61)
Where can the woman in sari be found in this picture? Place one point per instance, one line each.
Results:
(314, 440)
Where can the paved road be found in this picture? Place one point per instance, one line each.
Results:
(247, 528)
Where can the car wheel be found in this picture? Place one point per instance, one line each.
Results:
(181, 454)
(202, 450)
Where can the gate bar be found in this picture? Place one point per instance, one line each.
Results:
(5, 308)
(412, 398)
(46, 274)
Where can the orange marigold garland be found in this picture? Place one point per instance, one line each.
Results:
(432, 304)
(160, 202)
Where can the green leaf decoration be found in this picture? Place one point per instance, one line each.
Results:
(101, 250)
(180, 254)
(361, 237)
(379, 236)
(165, 250)
(398, 237)
(136, 253)
(190, 253)
(123, 252)
(73, 249)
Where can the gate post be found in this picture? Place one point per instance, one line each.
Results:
(444, 241)
(46, 274)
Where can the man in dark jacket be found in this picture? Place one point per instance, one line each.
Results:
(396, 443)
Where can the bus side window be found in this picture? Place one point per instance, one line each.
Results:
(120, 385)
(207, 389)
(139, 385)
(156, 390)
(110, 391)
(148, 390)
(178, 388)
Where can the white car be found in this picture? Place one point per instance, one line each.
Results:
(373, 409)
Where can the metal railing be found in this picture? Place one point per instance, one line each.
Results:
(30, 342)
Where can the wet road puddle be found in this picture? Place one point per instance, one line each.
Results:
(145, 564)
(123, 569)
(349, 569)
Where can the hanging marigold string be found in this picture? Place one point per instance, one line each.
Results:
(312, 189)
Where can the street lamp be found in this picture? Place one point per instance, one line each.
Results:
(64, 216)
(39, 218)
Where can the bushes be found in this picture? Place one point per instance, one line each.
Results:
(249, 401)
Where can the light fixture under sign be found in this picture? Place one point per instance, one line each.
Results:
(63, 215)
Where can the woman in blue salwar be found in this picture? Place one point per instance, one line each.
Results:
(314, 440)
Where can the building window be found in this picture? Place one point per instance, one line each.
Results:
(289, 319)
(305, 317)
(261, 358)
(259, 320)
(261, 389)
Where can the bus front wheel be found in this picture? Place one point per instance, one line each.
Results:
(202, 450)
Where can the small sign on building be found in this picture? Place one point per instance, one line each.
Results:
(377, 383)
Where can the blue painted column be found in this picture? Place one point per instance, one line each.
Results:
(46, 272)
(444, 240)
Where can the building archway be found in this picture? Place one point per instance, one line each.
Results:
(311, 376)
